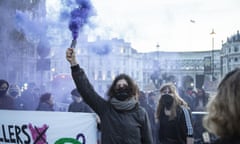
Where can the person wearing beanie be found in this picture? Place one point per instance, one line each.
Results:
(78, 105)
(6, 102)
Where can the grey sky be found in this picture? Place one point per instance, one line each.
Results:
(145, 23)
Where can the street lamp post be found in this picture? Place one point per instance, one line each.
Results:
(159, 66)
(212, 34)
(158, 56)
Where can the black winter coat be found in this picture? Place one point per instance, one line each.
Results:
(79, 107)
(117, 127)
(182, 123)
(232, 140)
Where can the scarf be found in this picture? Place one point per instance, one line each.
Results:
(124, 105)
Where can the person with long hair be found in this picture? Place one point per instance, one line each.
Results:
(45, 102)
(200, 100)
(223, 110)
(173, 117)
(123, 121)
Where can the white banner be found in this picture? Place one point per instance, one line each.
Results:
(36, 127)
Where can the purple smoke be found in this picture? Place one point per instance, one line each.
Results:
(102, 47)
(79, 17)
(31, 28)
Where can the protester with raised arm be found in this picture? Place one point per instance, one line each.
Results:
(123, 121)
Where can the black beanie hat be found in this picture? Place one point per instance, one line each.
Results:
(75, 92)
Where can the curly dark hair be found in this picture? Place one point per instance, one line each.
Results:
(134, 91)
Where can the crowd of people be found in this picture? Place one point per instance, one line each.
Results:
(131, 116)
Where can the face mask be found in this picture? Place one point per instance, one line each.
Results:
(3, 92)
(167, 100)
(122, 94)
(14, 93)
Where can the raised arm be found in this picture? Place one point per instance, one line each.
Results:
(89, 95)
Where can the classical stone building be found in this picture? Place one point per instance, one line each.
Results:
(104, 59)
(230, 54)
(19, 54)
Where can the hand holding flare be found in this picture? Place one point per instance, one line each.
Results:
(71, 56)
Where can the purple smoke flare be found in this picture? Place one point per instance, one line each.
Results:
(79, 17)
(74, 26)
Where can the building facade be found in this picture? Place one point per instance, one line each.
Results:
(105, 59)
(230, 54)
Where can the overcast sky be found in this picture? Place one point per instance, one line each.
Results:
(176, 25)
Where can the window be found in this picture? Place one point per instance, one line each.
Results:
(137, 75)
(122, 50)
(235, 49)
(117, 72)
(235, 59)
(108, 75)
(99, 75)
